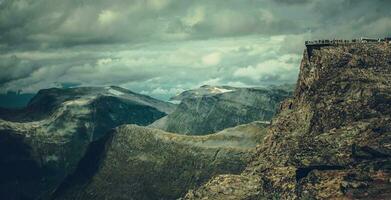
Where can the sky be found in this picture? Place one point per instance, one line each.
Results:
(162, 47)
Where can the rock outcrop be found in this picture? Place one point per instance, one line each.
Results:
(332, 140)
(43, 143)
(143, 163)
(210, 109)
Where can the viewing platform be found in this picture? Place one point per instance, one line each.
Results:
(316, 44)
(336, 42)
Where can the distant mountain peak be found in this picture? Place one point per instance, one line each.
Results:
(203, 91)
(47, 101)
(209, 108)
(55, 130)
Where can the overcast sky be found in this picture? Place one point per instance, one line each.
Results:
(161, 47)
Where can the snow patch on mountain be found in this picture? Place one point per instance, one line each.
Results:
(217, 90)
(79, 102)
(115, 92)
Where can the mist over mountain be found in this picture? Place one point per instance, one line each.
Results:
(14, 100)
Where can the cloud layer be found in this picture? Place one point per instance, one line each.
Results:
(160, 47)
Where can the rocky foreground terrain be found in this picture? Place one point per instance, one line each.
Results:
(332, 140)
(209, 109)
(44, 142)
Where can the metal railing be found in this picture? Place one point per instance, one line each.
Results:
(360, 40)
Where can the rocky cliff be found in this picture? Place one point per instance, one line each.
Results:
(142, 163)
(332, 140)
(209, 109)
(43, 143)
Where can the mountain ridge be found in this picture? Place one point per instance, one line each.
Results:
(54, 132)
(144, 163)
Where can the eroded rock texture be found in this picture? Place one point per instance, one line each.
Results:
(332, 140)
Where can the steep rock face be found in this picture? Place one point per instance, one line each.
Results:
(43, 143)
(143, 163)
(210, 108)
(331, 140)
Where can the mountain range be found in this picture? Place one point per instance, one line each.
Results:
(330, 138)
(44, 145)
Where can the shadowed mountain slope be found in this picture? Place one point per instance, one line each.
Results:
(144, 163)
(41, 144)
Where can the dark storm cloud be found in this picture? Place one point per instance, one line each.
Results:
(48, 23)
(54, 22)
(160, 47)
(293, 1)
(14, 68)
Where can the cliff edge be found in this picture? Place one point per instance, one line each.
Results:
(332, 140)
